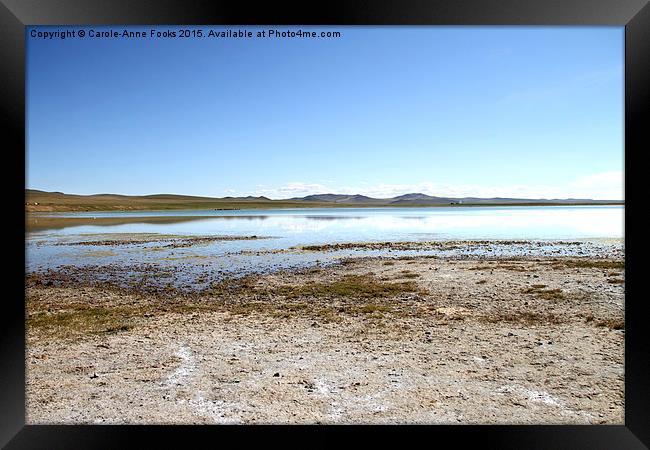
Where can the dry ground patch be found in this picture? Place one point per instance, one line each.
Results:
(464, 341)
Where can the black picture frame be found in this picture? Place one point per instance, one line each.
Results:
(15, 15)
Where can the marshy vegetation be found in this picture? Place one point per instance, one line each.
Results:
(543, 292)
(65, 304)
(355, 286)
(588, 263)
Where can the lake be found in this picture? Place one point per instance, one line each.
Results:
(278, 231)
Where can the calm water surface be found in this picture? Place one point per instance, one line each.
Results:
(286, 228)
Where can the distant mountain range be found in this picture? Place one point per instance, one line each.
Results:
(36, 200)
(423, 199)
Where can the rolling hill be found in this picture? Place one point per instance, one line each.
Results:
(36, 200)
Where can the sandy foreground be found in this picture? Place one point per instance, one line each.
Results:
(376, 340)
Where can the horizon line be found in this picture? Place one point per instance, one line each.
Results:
(330, 193)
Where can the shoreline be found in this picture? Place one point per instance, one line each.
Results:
(178, 263)
(281, 204)
(368, 340)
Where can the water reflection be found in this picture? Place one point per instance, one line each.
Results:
(283, 230)
(359, 223)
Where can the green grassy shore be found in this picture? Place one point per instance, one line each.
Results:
(40, 201)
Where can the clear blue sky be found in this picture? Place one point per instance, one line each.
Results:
(509, 111)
